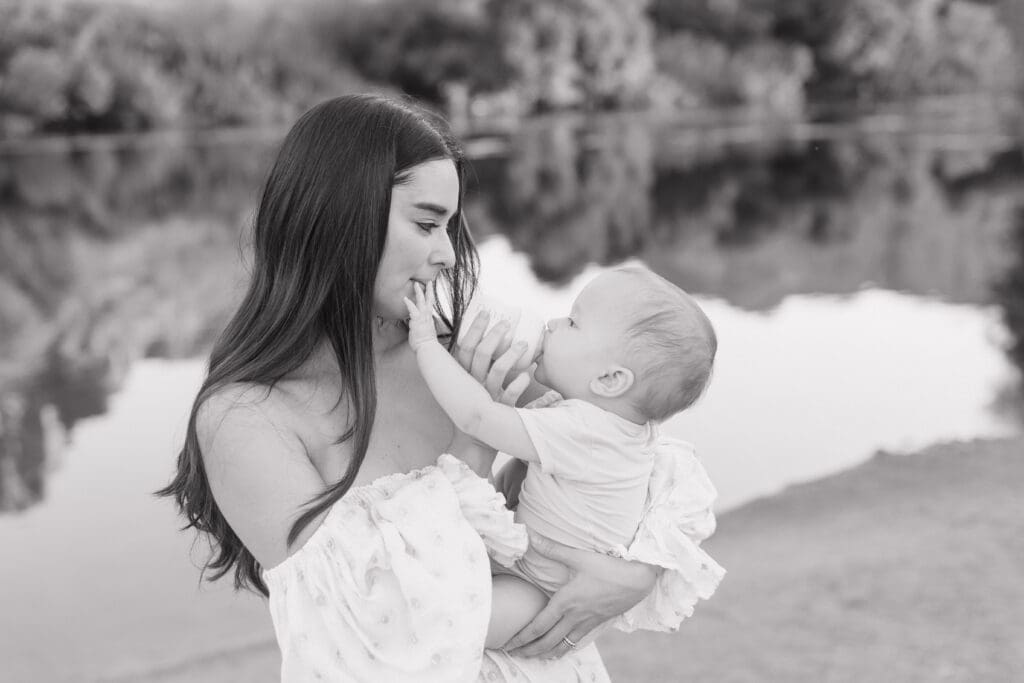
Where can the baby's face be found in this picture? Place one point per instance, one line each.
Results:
(578, 348)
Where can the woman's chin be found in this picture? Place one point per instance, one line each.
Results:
(392, 311)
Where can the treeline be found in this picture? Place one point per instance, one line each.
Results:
(113, 253)
(85, 66)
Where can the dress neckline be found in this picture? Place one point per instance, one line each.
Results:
(362, 494)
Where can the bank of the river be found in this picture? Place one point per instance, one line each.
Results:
(906, 568)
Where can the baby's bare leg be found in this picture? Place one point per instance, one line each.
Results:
(514, 604)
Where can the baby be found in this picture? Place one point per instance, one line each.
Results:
(634, 350)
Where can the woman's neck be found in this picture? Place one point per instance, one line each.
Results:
(388, 336)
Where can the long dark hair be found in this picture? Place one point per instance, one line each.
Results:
(318, 236)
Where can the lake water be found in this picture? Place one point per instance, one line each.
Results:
(867, 287)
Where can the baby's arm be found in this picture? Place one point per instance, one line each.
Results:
(514, 604)
(466, 402)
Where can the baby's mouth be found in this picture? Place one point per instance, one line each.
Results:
(545, 331)
(539, 352)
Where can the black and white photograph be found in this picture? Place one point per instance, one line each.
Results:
(511, 341)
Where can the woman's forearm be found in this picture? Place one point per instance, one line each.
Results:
(478, 456)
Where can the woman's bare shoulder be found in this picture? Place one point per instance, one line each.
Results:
(286, 407)
(258, 467)
(241, 405)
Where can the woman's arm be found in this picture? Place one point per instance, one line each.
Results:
(258, 471)
(666, 558)
(476, 353)
(470, 406)
(477, 455)
(601, 587)
(467, 401)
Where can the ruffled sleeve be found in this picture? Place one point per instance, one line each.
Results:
(677, 519)
(484, 509)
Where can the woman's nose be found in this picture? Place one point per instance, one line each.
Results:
(444, 253)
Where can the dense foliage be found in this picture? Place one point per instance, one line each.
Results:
(89, 66)
(78, 66)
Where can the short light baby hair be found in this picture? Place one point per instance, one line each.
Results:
(671, 345)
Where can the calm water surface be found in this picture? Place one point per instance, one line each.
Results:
(867, 290)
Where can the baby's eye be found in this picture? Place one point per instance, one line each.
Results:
(572, 323)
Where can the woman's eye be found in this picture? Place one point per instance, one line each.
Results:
(427, 227)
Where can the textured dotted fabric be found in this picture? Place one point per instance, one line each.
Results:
(395, 585)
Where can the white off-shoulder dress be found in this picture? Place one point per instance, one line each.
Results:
(395, 584)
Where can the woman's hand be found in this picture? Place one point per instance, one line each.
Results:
(600, 587)
(492, 360)
(476, 354)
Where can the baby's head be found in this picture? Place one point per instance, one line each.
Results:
(634, 344)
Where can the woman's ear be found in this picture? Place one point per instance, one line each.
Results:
(613, 382)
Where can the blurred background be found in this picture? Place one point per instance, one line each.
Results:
(840, 184)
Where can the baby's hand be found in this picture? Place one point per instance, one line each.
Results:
(421, 318)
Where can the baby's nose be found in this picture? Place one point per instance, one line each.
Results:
(557, 323)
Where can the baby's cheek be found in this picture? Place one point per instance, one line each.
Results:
(539, 373)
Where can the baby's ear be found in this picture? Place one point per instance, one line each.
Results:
(613, 382)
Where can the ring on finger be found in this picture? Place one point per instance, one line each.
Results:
(572, 645)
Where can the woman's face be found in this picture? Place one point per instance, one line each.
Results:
(417, 246)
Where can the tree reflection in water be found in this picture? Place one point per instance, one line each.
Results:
(107, 256)
(756, 220)
(1009, 293)
(35, 419)
(573, 194)
(111, 255)
(26, 452)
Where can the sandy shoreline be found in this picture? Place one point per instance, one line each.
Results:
(905, 568)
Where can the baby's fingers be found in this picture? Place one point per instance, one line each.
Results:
(413, 311)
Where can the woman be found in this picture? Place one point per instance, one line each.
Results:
(314, 422)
